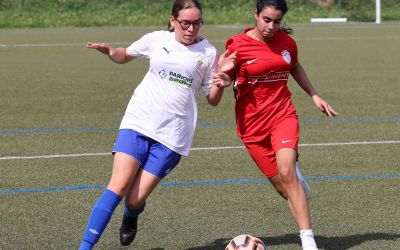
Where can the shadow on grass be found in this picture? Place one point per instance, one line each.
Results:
(331, 243)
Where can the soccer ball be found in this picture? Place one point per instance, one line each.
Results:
(245, 242)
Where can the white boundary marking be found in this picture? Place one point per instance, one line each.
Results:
(328, 20)
(54, 44)
(198, 149)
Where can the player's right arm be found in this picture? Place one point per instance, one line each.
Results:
(226, 67)
(117, 55)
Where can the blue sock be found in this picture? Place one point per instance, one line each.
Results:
(135, 212)
(99, 218)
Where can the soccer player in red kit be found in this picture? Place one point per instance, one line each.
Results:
(266, 119)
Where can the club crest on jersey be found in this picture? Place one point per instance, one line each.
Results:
(286, 56)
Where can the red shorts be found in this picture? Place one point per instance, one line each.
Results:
(283, 135)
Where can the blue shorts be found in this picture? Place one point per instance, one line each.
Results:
(153, 156)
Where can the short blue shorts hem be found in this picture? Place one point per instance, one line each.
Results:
(153, 156)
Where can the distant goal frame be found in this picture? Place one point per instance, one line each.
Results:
(378, 18)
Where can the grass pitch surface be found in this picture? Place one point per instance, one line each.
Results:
(61, 105)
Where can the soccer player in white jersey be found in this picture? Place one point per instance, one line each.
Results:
(160, 120)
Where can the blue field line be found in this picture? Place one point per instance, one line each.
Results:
(207, 124)
(33, 131)
(202, 183)
(216, 124)
(47, 190)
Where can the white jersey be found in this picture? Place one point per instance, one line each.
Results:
(164, 105)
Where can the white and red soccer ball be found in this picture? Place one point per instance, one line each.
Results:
(245, 242)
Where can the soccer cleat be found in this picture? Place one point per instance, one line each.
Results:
(306, 186)
(128, 230)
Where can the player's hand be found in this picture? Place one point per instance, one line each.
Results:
(102, 47)
(324, 106)
(221, 79)
(227, 61)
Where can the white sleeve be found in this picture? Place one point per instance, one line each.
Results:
(212, 68)
(141, 47)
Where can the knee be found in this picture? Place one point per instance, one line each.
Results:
(118, 188)
(287, 175)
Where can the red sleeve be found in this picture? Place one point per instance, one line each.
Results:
(229, 44)
(295, 57)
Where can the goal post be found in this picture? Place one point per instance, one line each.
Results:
(341, 19)
(378, 11)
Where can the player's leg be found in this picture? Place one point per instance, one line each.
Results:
(284, 139)
(303, 182)
(160, 162)
(277, 183)
(265, 158)
(130, 150)
(124, 169)
(135, 200)
(286, 160)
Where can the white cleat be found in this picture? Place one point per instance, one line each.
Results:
(306, 186)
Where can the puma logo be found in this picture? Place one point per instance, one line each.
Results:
(166, 50)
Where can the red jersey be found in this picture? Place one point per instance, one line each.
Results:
(261, 75)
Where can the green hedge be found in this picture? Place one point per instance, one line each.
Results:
(87, 13)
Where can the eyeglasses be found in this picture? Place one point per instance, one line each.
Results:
(185, 24)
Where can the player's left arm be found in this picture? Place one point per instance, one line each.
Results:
(301, 78)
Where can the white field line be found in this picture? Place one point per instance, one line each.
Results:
(196, 149)
(54, 44)
(216, 41)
